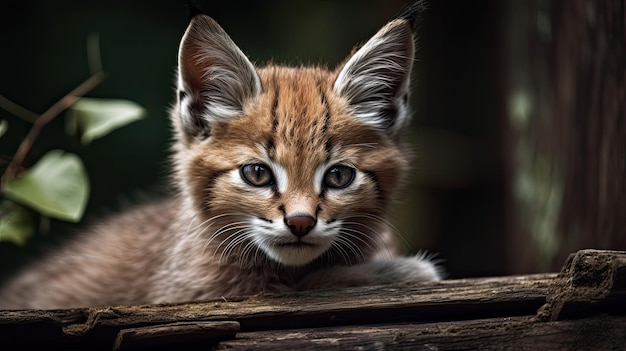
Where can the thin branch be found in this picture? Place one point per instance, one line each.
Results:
(61, 105)
(17, 110)
(94, 57)
(95, 65)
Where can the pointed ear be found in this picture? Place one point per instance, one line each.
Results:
(375, 79)
(215, 79)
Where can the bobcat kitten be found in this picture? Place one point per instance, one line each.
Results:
(284, 180)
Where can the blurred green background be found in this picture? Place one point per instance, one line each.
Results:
(457, 201)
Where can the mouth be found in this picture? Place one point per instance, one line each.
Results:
(296, 244)
(293, 251)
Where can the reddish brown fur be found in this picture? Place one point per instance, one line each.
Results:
(300, 115)
(206, 241)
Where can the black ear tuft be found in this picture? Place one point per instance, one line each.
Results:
(193, 10)
(412, 11)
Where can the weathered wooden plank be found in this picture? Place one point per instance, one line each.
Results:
(181, 335)
(591, 282)
(447, 300)
(516, 294)
(515, 333)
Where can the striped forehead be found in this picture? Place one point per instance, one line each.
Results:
(299, 109)
(289, 175)
(298, 142)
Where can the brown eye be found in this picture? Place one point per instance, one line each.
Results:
(339, 177)
(256, 175)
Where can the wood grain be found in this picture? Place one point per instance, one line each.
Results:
(585, 299)
(514, 333)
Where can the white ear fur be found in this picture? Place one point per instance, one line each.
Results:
(375, 79)
(215, 79)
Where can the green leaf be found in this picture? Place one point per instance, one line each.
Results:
(3, 127)
(16, 223)
(91, 118)
(57, 186)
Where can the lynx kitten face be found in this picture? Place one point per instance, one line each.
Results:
(291, 163)
(284, 181)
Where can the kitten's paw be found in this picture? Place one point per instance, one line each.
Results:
(418, 268)
(399, 270)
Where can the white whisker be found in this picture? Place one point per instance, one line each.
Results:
(349, 232)
(225, 229)
(336, 245)
(385, 223)
(232, 241)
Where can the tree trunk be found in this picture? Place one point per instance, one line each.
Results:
(565, 91)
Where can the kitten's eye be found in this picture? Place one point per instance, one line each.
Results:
(339, 177)
(256, 175)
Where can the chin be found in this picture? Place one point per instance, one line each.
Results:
(294, 254)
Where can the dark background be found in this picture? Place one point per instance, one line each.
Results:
(458, 203)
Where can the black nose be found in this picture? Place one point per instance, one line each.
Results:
(300, 225)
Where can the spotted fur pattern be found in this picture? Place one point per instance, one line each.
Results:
(284, 176)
